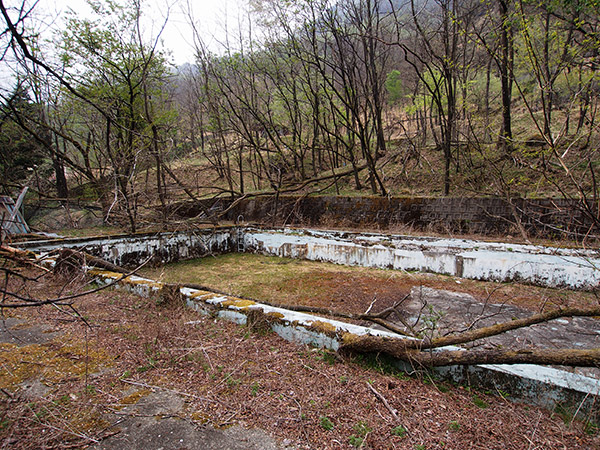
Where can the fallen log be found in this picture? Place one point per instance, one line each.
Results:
(376, 343)
(552, 357)
(422, 352)
(499, 328)
(12, 252)
(24, 257)
(70, 257)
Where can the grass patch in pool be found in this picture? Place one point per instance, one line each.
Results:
(345, 288)
(271, 278)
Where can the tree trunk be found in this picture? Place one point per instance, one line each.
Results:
(62, 189)
(561, 357)
(505, 66)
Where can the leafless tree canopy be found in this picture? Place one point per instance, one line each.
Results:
(489, 98)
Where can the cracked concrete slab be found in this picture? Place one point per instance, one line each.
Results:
(20, 332)
(158, 421)
(448, 311)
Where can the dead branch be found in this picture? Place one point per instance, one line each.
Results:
(189, 193)
(383, 400)
(413, 350)
(560, 357)
(28, 302)
(13, 273)
(291, 188)
(373, 343)
(21, 257)
(402, 350)
(500, 328)
(70, 256)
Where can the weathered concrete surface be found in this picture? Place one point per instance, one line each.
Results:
(20, 332)
(160, 421)
(132, 250)
(544, 266)
(441, 312)
(446, 312)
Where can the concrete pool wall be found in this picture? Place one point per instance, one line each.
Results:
(478, 260)
(489, 261)
(130, 250)
(539, 385)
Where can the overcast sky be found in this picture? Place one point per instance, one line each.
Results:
(212, 17)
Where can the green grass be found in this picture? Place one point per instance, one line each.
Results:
(326, 423)
(454, 426)
(399, 431)
(268, 278)
(479, 402)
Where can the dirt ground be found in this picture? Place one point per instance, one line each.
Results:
(90, 375)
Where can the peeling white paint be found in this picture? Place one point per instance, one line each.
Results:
(544, 266)
(549, 375)
(233, 316)
(287, 316)
(134, 249)
(304, 336)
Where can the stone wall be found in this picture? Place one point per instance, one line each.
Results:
(455, 215)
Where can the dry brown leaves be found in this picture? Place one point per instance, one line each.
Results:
(229, 374)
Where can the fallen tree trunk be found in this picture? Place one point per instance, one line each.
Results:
(76, 259)
(551, 357)
(415, 351)
(499, 328)
(405, 351)
(12, 252)
(373, 343)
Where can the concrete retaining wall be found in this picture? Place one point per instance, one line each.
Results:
(543, 217)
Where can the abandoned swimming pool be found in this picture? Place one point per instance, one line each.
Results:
(538, 265)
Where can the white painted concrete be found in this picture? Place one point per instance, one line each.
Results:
(127, 250)
(544, 266)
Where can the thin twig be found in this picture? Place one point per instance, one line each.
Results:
(371, 305)
(46, 424)
(384, 401)
(62, 300)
